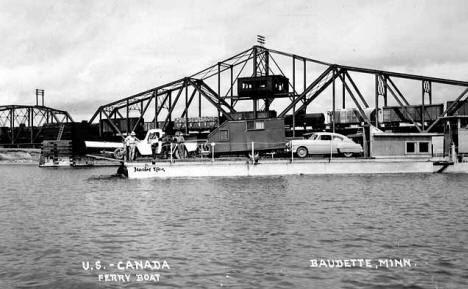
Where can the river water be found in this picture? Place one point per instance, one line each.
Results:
(230, 232)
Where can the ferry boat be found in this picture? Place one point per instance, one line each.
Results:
(239, 168)
(140, 170)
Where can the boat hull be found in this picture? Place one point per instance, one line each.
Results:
(272, 168)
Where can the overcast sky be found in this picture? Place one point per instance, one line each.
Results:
(88, 53)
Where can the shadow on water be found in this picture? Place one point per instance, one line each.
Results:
(106, 177)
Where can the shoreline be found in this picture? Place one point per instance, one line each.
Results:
(12, 156)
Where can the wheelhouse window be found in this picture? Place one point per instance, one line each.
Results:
(278, 86)
(255, 125)
(246, 85)
(410, 147)
(424, 147)
(417, 147)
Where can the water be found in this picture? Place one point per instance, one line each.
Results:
(231, 232)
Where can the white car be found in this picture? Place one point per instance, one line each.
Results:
(323, 143)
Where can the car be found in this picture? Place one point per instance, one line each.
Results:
(323, 143)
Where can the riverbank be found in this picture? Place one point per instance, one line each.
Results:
(19, 156)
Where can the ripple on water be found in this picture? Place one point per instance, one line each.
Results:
(232, 232)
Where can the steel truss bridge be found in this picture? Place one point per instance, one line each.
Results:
(30, 119)
(216, 86)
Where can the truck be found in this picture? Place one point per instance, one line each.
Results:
(144, 147)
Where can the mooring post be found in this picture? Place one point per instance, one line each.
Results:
(364, 142)
(12, 125)
(292, 153)
(212, 151)
(453, 152)
(171, 153)
(253, 152)
(294, 95)
(332, 119)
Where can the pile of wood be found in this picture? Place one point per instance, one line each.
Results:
(56, 148)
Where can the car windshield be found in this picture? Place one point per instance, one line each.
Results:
(153, 135)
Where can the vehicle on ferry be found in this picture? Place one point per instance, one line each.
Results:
(322, 143)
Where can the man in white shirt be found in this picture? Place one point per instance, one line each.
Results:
(130, 146)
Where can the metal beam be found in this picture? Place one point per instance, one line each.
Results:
(219, 88)
(204, 74)
(314, 95)
(171, 108)
(333, 118)
(449, 109)
(127, 116)
(356, 89)
(403, 107)
(186, 109)
(139, 100)
(398, 91)
(301, 57)
(113, 125)
(198, 85)
(303, 95)
(376, 101)
(294, 94)
(361, 111)
(343, 90)
(12, 125)
(189, 102)
(405, 75)
(155, 111)
(161, 106)
(142, 114)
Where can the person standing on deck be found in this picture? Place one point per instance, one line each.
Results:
(130, 146)
(181, 150)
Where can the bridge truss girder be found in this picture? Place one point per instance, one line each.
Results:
(31, 117)
(264, 61)
(161, 98)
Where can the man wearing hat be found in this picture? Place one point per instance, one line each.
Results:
(130, 146)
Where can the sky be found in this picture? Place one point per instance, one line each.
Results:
(88, 53)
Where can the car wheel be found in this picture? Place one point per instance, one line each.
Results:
(348, 155)
(302, 152)
(119, 153)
